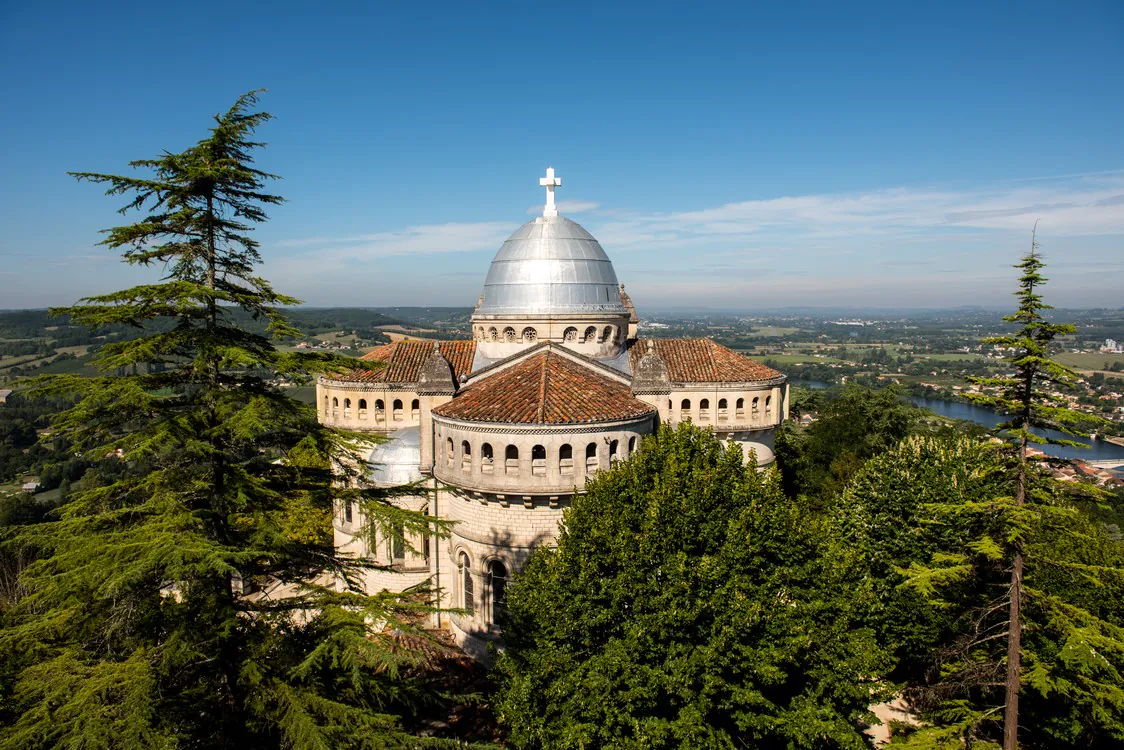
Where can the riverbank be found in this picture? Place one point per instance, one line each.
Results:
(1113, 440)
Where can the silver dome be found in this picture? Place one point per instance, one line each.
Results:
(551, 266)
(396, 461)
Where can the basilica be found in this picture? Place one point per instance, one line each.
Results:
(500, 431)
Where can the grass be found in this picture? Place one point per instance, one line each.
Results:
(1092, 361)
(774, 331)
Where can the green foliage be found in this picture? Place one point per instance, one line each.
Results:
(688, 604)
(854, 424)
(139, 623)
(1019, 595)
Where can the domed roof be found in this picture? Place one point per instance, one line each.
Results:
(396, 461)
(551, 266)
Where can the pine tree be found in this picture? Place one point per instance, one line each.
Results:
(1030, 545)
(142, 627)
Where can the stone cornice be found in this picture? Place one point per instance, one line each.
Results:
(579, 428)
(366, 385)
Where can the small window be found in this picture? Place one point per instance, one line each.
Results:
(723, 404)
(570, 334)
(739, 405)
(486, 460)
(450, 453)
(607, 334)
(415, 407)
(497, 579)
(325, 404)
(566, 460)
(591, 457)
(509, 335)
(464, 569)
(529, 335)
(466, 456)
(335, 402)
(493, 334)
(538, 461)
(347, 403)
(613, 445)
(347, 515)
(704, 409)
(768, 404)
(755, 403)
(397, 405)
(511, 459)
(632, 445)
(362, 404)
(590, 334)
(397, 543)
(379, 405)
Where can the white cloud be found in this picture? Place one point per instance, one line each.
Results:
(568, 207)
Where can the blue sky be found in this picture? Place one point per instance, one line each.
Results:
(742, 155)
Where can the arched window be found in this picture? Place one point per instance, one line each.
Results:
(415, 408)
(704, 410)
(335, 402)
(511, 459)
(347, 407)
(739, 408)
(497, 583)
(493, 334)
(768, 404)
(529, 335)
(486, 460)
(397, 544)
(397, 413)
(607, 334)
(450, 453)
(538, 461)
(723, 404)
(685, 409)
(466, 456)
(591, 457)
(379, 405)
(325, 404)
(566, 460)
(570, 334)
(632, 445)
(362, 404)
(509, 334)
(347, 516)
(590, 333)
(613, 445)
(464, 570)
(754, 403)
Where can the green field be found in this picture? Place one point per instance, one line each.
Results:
(774, 331)
(1093, 361)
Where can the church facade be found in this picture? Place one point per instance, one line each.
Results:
(503, 429)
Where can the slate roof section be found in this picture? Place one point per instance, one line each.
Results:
(548, 388)
(702, 361)
(404, 360)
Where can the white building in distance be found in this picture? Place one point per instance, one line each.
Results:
(504, 429)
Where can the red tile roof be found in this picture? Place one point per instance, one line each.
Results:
(547, 388)
(403, 361)
(702, 361)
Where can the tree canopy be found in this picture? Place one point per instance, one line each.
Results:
(688, 604)
(186, 602)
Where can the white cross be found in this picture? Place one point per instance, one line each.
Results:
(550, 182)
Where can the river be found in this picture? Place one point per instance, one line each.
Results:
(1097, 450)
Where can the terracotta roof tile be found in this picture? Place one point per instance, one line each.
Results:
(404, 360)
(702, 361)
(547, 388)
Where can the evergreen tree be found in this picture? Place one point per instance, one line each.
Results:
(688, 604)
(1019, 543)
(143, 625)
